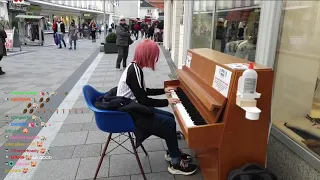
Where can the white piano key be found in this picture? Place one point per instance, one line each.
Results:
(182, 110)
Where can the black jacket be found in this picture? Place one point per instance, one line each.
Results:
(123, 35)
(142, 116)
(63, 28)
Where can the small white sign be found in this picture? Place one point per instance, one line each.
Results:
(188, 60)
(238, 65)
(221, 80)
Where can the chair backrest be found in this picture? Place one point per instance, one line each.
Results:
(107, 121)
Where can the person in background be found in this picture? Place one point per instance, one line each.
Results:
(3, 50)
(123, 42)
(142, 30)
(151, 32)
(106, 29)
(93, 29)
(146, 29)
(60, 31)
(54, 28)
(72, 34)
(163, 125)
(132, 28)
(136, 30)
(99, 29)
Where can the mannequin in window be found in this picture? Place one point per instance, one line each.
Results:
(241, 30)
(232, 33)
(231, 47)
(247, 49)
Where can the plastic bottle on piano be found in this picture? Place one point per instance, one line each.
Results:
(247, 83)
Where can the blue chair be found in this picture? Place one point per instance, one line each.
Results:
(112, 122)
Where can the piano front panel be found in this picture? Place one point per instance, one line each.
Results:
(197, 136)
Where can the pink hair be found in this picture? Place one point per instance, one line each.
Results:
(147, 54)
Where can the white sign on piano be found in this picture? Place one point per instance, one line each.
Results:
(221, 80)
(188, 59)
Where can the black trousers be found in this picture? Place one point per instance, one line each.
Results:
(0, 60)
(122, 56)
(93, 35)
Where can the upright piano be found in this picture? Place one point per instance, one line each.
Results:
(215, 128)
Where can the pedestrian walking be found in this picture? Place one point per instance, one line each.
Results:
(93, 29)
(60, 31)
(123, 42)
(151, 32)
(54, 28)
(136, 30)
(72, 35)
(3, 51)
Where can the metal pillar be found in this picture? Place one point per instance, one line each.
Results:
(104, 20)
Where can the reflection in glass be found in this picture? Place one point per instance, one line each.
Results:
(202, 24)
(237, 27)
(296, 101)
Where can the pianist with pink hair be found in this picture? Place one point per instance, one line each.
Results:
(132, 85)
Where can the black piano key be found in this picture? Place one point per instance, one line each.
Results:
(192, 111)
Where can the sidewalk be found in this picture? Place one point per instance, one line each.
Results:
(75, 142)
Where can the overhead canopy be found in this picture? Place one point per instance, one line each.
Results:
(29, 17)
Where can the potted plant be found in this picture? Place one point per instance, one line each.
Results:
(110, 45)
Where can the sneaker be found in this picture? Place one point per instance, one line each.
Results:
(183, 168)
(118, 69)
(183, 156)
(70, 48)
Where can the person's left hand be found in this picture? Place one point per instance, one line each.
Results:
(168, 89)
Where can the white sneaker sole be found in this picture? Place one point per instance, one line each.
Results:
(178, 172)
(167, 158)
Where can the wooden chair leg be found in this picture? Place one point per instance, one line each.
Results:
(144, 150)
(137, 156)
(102, 156)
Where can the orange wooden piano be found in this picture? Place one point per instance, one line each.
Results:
(215, 128)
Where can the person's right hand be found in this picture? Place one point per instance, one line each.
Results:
(173, 101)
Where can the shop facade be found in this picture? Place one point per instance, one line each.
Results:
(14, 10)
(282, 35)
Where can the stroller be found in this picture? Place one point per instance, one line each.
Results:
(158, 35)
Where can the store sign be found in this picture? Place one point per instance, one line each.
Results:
(18, 1)
(34, 8)
(16, 7)
(86, 15)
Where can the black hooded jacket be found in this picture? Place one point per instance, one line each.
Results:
(142, 116)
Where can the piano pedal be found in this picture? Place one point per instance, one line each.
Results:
(179, 135)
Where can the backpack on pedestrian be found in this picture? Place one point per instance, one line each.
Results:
(251, 172)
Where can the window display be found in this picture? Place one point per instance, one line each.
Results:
(202, 24)
(296, 101)
(236, 30)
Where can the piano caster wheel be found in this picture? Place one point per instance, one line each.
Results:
(179, 135)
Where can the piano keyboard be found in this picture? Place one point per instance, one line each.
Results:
(189, 113)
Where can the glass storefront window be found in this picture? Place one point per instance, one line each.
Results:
(202, 24)
(296, 101)
(237, 26)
